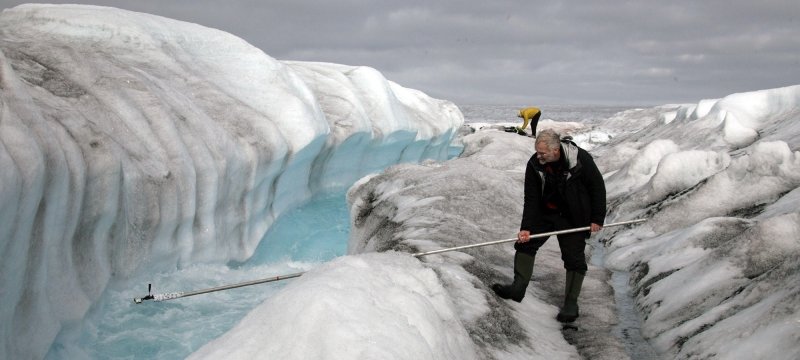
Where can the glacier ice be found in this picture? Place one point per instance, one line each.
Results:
(131, 140)
(135, 140)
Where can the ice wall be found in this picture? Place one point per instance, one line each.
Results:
(128, 140)
(714, 271)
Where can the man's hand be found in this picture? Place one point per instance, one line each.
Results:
(596, 228)
(523, 236)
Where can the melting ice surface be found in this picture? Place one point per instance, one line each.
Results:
(150, 154)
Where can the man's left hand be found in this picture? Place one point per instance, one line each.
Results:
(596, 228)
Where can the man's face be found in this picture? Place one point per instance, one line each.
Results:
(545, 154)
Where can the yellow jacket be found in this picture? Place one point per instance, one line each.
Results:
(528, 113)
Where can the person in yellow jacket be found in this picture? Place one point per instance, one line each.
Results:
(529, 115)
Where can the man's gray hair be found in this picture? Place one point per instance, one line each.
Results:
(549, 137)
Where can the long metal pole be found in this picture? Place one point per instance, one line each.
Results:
(177, 295)
(559, 232)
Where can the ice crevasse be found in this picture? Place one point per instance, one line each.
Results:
(128, 139)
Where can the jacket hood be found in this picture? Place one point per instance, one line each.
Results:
(570, 152)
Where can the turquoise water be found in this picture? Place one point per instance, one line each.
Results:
(315, 232)
(116, 328)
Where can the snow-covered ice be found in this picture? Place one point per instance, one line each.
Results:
(415, 315)
(130, 140)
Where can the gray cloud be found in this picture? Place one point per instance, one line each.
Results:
(525, 52)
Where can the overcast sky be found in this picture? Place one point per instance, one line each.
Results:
(523, 52)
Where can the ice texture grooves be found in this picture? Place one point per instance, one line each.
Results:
(128, 140)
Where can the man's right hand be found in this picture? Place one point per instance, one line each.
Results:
(523, 236)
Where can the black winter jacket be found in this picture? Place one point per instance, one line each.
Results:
(584, 191)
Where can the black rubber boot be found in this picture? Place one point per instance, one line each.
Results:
(523, 270)
(572, 289)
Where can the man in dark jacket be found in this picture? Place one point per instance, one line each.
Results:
(563, 190)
